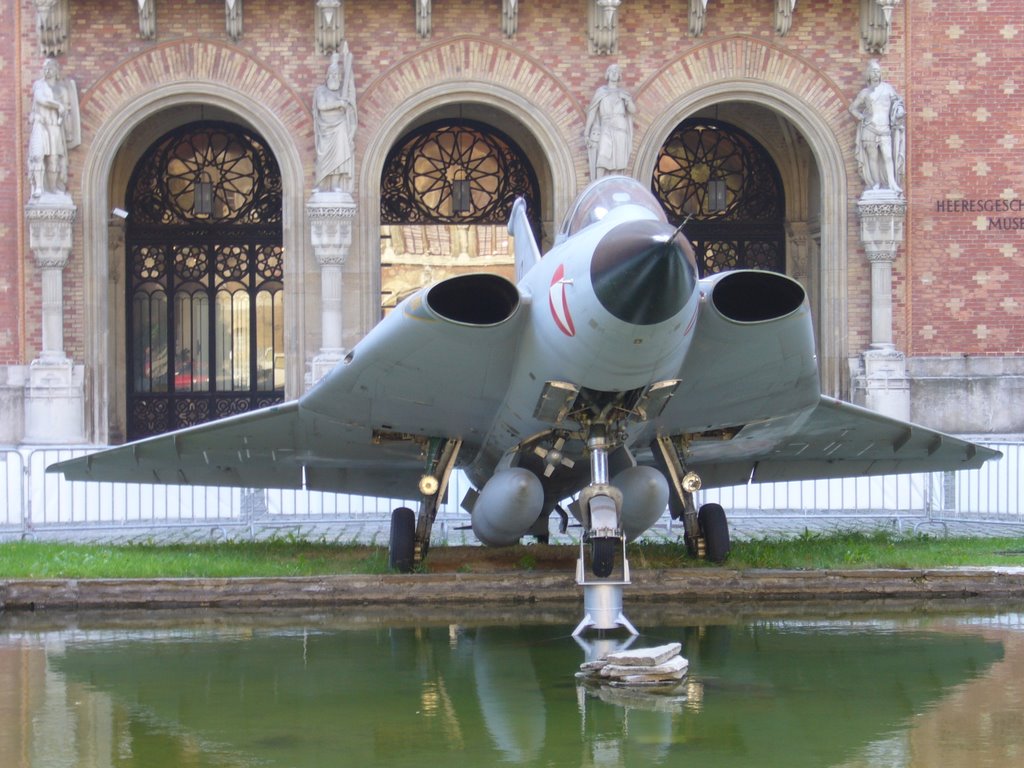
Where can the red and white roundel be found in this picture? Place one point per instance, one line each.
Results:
(559, 303)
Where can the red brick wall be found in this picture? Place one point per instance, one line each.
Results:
(965, 154)
(11, 230)
(950, 278)
(109, 62)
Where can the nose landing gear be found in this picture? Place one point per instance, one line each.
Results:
(601, 506)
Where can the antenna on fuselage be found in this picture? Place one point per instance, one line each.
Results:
(678, 231)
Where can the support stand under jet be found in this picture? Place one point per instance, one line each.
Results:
(601, 506)
(602, 599)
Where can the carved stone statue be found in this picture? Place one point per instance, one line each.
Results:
(52, 26)
(609, 130)
(784, 10)
(53, 129)
(881, 132)
(423, 18)
(233, 19)
(698, 16)
(604, 26)
(334, 119)
(330, 25)
(509, 17)
(147, 19)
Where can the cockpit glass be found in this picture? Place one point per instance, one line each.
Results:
(604, 195)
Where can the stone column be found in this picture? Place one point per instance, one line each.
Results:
(55, 392)
(797, 256)
(882, 380)
(330, 226)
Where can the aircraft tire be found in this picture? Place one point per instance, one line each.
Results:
(402, 544)
(602, 555)
(715, 529)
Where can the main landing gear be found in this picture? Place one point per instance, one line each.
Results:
(714, 530)
(706, 532)
(402, 543)
(410, 533)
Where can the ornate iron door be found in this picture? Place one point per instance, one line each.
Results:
(205, 264)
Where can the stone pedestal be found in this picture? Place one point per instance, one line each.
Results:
(55, 391)
(55, 403)
(330, 225)
(880, 381)
(884, 384)
(12, 403)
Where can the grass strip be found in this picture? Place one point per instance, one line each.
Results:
(58, 560)
(849, 549)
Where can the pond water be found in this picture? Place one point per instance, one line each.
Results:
(897, 688)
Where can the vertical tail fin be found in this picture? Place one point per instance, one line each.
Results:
(526, 250)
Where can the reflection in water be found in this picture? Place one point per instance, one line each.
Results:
(790, 693)
(510, 696)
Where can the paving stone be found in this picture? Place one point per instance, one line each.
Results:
(675, 667)
(646, 657)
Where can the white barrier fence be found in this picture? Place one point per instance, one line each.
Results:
(992, 491)
(35, 503)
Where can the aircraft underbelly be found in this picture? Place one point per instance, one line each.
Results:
(584, 363)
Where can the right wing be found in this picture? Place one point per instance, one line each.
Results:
(364, 428)
(833, 439)
(748, 406)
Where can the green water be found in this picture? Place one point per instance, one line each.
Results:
(327, 691)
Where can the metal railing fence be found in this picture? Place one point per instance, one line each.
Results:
(37, 504)
(993, 490)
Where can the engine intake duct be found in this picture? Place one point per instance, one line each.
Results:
(754, 296)
(475, 299)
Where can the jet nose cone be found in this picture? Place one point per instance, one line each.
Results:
(643, 272)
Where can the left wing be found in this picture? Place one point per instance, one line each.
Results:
(748, 405)
(420, 374)
(283, 446)
(832, 439)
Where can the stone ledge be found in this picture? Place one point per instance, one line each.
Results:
(694, 586)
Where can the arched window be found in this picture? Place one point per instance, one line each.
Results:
(204, 279)
(727, 189)
(447, 191)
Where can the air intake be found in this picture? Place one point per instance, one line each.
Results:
(754, 296)
(477, 299)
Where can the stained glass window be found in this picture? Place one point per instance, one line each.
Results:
(727, 189)
(447, 191)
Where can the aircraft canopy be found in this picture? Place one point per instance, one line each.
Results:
(603, 195)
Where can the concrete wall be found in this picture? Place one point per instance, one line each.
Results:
(12, 404)
(965, 394)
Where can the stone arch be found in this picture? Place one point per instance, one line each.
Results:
(167, 80)
(516, 94)
(746, 70)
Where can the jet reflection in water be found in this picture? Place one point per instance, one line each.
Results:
(510, 696)
(775, 693)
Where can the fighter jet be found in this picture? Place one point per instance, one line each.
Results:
(610, 380)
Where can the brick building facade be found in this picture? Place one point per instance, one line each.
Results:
(936, 334)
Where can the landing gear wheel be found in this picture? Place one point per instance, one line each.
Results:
(602, 555)
(715, 530)
(402, 544)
